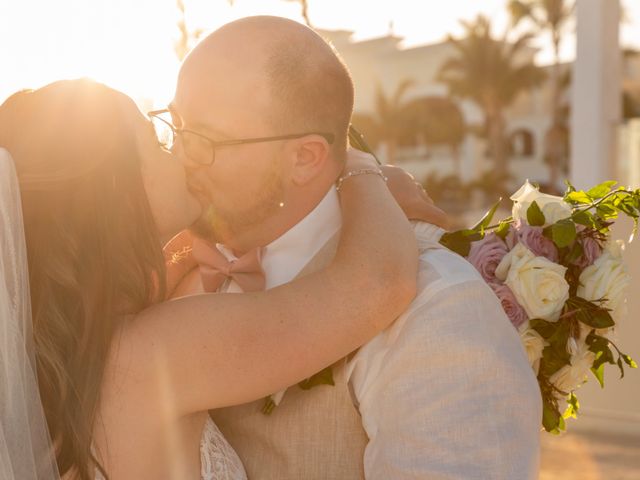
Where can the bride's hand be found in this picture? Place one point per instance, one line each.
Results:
(410, 195)
(413, 198)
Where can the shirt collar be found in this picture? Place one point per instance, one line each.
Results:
(285, 257)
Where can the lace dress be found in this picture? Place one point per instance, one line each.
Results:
(218, 460)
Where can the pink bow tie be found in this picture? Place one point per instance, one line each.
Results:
(215, 268)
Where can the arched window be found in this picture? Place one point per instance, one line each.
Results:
(522, 143)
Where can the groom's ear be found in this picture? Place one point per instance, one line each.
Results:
(310, 155)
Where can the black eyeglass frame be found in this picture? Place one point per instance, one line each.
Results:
(329, 137)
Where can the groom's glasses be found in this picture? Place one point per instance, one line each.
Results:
(202, 149)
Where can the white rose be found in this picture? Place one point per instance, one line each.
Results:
(537, 283)
(533, 344)
(607, 278)
(553, 208)
(570, 377)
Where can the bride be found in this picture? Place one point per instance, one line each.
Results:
(99, 378)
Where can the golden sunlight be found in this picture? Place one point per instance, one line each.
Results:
(131, 45)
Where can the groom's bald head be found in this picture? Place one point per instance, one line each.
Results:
(294, 79)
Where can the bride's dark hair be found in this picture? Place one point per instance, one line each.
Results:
(93, 247)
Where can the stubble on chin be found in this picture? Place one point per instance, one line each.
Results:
(220, 225)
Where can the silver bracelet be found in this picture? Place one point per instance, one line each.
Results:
(363, 171)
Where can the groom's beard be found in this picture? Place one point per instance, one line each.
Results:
(220, 225)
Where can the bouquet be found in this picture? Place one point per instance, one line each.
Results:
(561, 281)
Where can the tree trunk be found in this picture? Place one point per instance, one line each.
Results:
(305, 12)
(497, 141)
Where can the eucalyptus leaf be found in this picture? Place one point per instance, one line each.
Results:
(573, 406)
(545, 328)
(486, 219)
(619, 363)
(550, 417)
(604, 356)
(601, 190)
(575, 253)
(503, 229)
(607, 212)
(324, 377)
(460, 241)
(563, 233)
(599, 374)
(570, 187)
(590, 314)
(535, 217)
(628, 360)
(577, 197)
(584, 218)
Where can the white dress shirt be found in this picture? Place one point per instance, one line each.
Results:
(446, 391)
(284, 258)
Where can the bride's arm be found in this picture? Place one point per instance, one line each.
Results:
(215, 350)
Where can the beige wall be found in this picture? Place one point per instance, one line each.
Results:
(617, 407)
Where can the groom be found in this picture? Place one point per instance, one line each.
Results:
(446, 391)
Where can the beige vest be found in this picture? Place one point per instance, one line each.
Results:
(312, 434)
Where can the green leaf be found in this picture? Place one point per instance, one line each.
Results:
(606, 212)
(575, 253)
(628, 360)
(577, 197)
(324, 377)
(584, 218)
(573, 406)
(563, 233)
(599, 374)
(486, 219)
(570, 187)
(545, 328)
(460, 241)
(601, 190)
(503, 229)
(619, 362)
(269, 406)
(590, 314)
(603, 356)
(535, 217)
(555, 355)
(628, 206)
(550, 418)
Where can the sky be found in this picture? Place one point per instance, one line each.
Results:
(128, 44)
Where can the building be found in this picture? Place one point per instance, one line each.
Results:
(383, 62)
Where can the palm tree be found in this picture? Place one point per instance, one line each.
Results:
(389, 119)
(492, 73)
(304, 6)
(549, 16)
(438, 121)
(183, 45)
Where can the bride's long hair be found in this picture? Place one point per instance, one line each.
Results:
(93, 247)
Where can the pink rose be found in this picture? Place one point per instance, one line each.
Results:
(510, 305)
(591, 252)
(512, 237)
(486, 254)
(534, 240)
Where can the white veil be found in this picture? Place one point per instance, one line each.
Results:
(25, 445)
